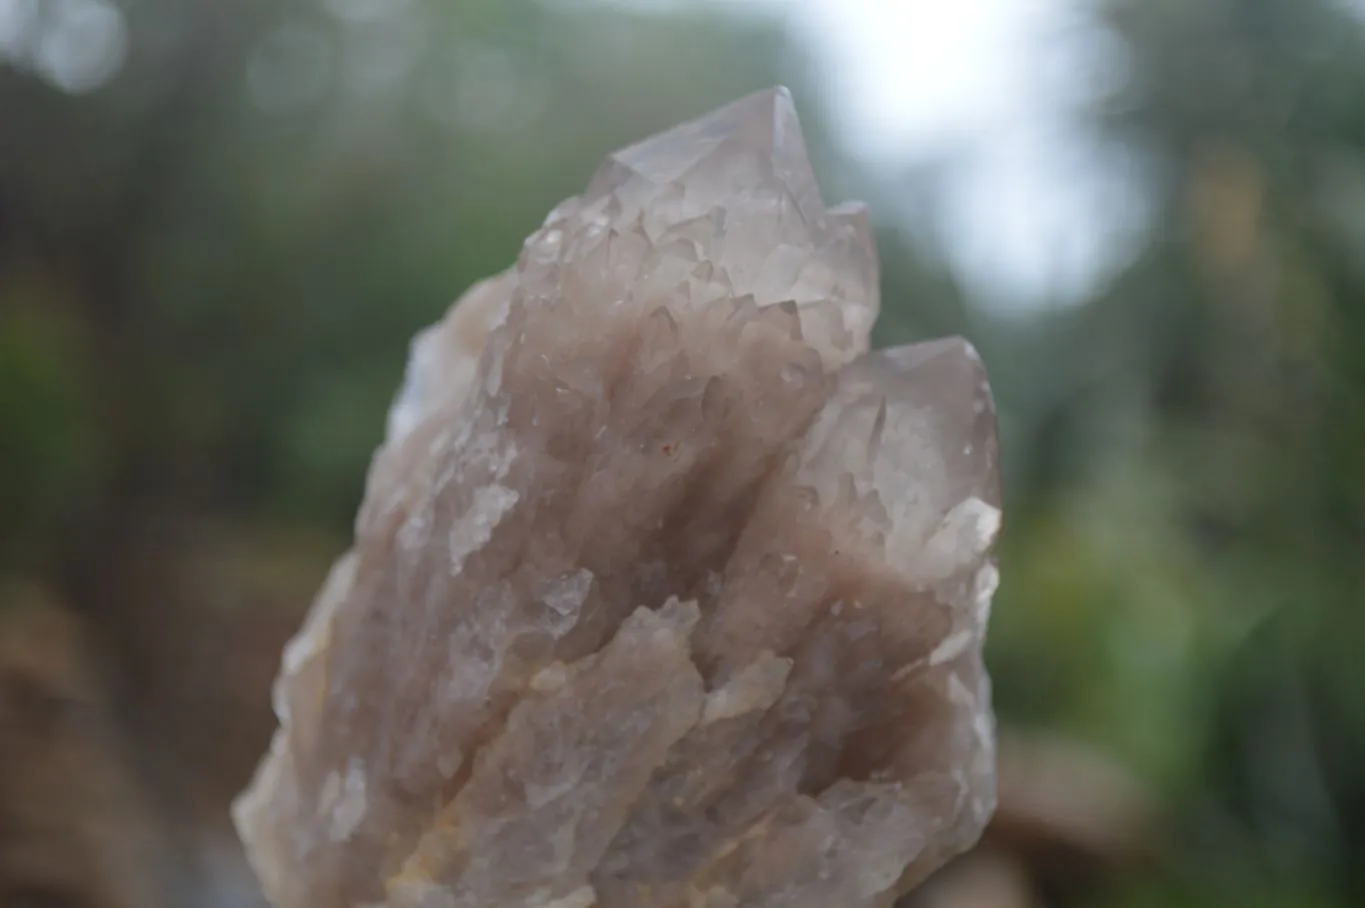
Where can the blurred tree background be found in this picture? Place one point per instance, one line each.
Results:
(221, 223)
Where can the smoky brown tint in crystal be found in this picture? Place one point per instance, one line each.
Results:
(665, 591)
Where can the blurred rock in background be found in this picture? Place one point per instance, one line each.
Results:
(77, 823)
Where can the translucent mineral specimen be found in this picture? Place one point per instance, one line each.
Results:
(665, 593)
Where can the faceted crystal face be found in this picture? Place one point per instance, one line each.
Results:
(665, 592)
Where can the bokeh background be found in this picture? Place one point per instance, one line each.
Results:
(220, 223)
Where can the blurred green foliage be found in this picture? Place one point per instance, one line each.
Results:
(210, 266)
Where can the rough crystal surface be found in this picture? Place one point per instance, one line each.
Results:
(665, 592)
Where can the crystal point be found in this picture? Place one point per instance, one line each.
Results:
(665, 591)
(753, 144)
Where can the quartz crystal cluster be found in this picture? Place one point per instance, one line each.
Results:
(665, 592)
